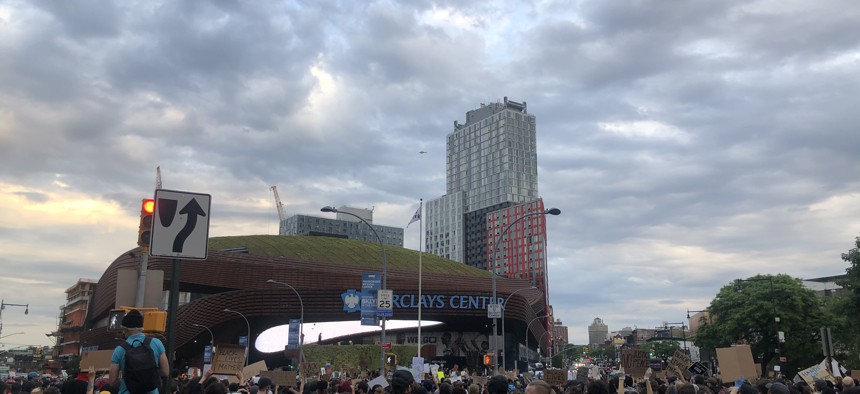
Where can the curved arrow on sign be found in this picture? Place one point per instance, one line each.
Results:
(192, 209)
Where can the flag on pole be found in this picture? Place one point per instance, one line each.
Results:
(416, 217)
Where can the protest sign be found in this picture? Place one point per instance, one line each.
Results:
(736, 361)
(698, 368)
(228, 359)
(680, 361)
(635, 362)
(481, 380)
(380, 380)
(281, 378)
(555, 377)
(811, 374)
(98, 359)
(255, 368)
(855, 373)
(511, 375)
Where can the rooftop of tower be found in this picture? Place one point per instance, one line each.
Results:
(479, 114)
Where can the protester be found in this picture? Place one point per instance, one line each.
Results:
(401, 382)
(132, 328)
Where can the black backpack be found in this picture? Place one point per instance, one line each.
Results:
(141, 372)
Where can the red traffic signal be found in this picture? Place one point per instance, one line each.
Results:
(144, 230)
(148, 206)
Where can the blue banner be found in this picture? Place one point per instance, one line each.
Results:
(293, 338)
(370, 283)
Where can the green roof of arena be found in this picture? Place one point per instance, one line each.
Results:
(343, 251)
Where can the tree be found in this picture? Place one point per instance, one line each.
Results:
(843, 309)
(662, 348)
(743, 313)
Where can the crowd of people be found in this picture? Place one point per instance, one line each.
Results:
(141, 361)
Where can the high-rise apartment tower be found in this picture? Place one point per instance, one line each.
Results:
(491, 181)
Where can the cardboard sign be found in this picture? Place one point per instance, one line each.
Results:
(635, 362)
(281, 378)
(555, 377)
(680, 361)
(736, 361)
(255, 368)
(98, 359)
(816, 372)
(855, 373)
(228, 359)
(480, 380)
(511, 375)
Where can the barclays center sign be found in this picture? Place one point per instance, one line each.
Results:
(353, 299)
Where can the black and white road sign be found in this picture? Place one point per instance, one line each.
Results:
(180, 225)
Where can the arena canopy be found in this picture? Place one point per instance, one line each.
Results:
(323, 271)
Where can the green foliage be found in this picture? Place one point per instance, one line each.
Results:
(662, 349)
(351, 355)
(743, 312)
(843, 310)
(344, 251)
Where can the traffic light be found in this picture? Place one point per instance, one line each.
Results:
(488, 359)
(391, 360)
(144, 232)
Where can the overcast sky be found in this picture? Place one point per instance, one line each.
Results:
(687, 143)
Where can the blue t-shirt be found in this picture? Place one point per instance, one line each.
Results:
(135, 340)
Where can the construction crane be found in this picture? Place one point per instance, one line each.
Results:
(278, 204)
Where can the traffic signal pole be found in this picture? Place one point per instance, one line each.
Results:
(141, 279)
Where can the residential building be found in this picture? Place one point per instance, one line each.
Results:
(73, 316)
(598, 332)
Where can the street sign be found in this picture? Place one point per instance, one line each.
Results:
(494, 311)
(386, 345)
(180, 226)
(384, 303)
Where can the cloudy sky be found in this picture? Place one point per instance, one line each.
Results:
(687, 143)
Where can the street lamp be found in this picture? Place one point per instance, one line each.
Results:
(505, 307)
(211, 336)
(9, 335)
(4, 304)
(248, 343)
(301, 317)
(775, 316)
(384, 279)
(551, 211)
(527, 338)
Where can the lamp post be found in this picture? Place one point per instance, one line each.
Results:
(527, 338)
(551, 211)
(384, 279)
(301, 316)
(211, 336)
(248, 344)
(9, 335)
(504, 307)
(4, 304)
(775, 316)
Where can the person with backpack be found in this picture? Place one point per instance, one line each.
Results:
(140, 360)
